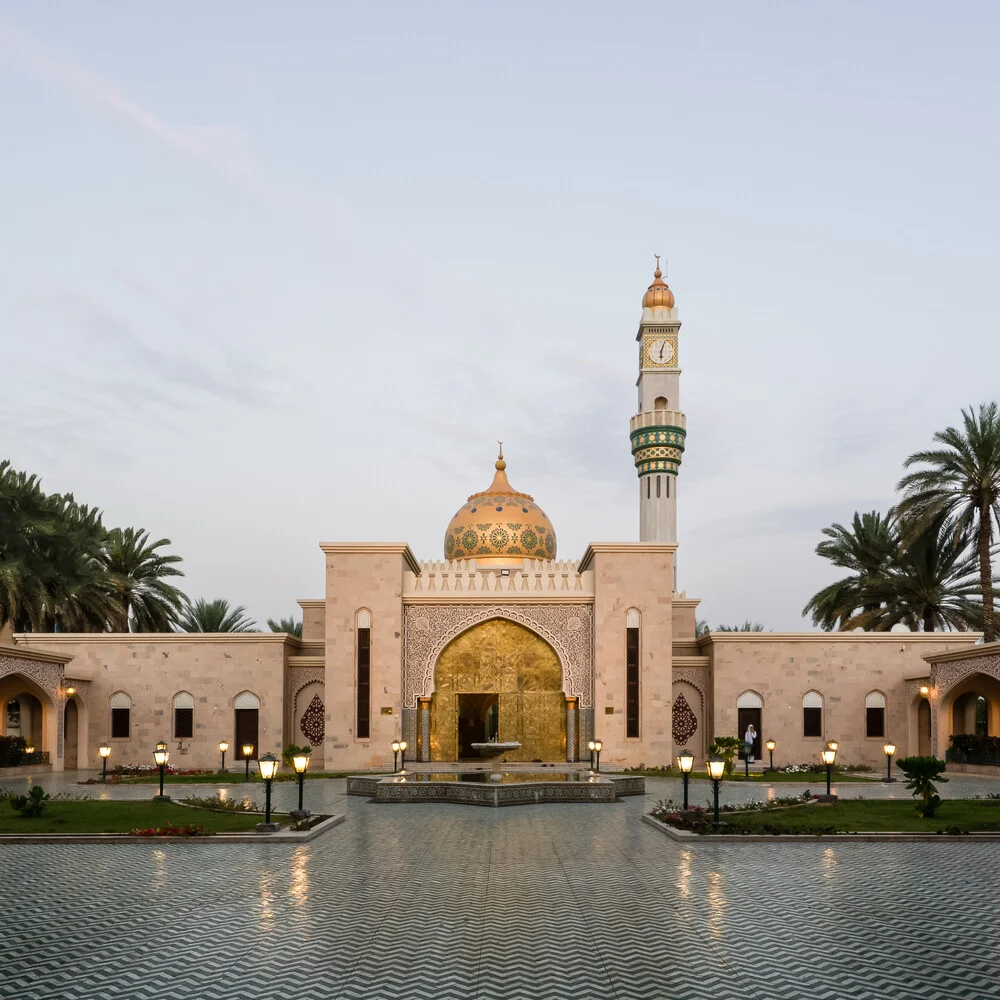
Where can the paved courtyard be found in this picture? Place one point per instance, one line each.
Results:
(553, 901)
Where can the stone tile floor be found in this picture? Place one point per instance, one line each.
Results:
(552, 901)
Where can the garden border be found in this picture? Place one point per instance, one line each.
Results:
(685, 837)
(251, 837)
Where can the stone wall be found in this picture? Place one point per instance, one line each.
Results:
(152, 668)
(842, 667)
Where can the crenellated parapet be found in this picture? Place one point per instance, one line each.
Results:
(535, 580)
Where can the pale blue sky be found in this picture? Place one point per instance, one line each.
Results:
(277, 274)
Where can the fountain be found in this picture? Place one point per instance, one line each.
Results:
(494, 751)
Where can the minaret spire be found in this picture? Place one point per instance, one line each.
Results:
(659, 429)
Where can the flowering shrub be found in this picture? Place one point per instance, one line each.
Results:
(187, 830)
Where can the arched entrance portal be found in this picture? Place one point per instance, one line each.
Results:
(498, 679)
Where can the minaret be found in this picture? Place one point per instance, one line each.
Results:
(659, 428)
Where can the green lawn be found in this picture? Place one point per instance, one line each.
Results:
(220, 778)
(869, 817)
(100, 816)
(775, 777)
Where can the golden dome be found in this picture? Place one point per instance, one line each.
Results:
(500, 527)
(658, 295)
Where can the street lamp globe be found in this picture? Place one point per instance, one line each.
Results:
(924, 690)
(592, 745)
(598, 745)
(247, 749)
(889, 749)
(771, 744)
(160, 754)
(395, 746)
(223, 746)
(301, 763)
(716, 767)
(829, 755)
(685, 761)
(268, 765)
(104, 750)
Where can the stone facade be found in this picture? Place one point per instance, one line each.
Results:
(634, 674)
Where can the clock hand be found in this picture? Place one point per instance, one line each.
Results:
(661, 351)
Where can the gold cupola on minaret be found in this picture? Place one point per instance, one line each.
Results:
(500, 527)
(658, 295)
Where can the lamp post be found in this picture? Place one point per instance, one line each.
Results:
(888, 749)
(402, 755)
(223, 747)
(268, 765)
(770, 744)
(105, 751)
(161, 756)
(685, 761)
(716, 767)
(598, 747)
(829, 755)
(395, 755)
(590, 747)
(247, 749)
(301, 764)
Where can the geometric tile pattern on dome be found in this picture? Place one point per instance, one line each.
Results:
(542, 902)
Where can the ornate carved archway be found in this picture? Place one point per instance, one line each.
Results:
(567, 628)
(505, 665)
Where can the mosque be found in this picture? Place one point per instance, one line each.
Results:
(500, 638)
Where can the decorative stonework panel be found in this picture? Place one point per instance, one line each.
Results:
(49, 677)
(944, 677)
(313, 722)
(685, 723)
(568, 628)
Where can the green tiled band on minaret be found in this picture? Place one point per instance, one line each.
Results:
(658, 448)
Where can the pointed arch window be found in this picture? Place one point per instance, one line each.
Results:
(875, 715)
(183, 715)
(632, 674)
(121, 716)
(364, 658)
(812, 714)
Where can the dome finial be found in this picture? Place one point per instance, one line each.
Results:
(501, 464)
(658, 295)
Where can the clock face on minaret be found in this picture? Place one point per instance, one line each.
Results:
(659, 350)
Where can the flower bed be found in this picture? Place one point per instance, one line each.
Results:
(187, 830)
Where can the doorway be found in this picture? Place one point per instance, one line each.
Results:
(246, 732)
(745, 718)
(478, 722)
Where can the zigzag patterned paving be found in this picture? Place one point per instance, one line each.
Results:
(555, 901)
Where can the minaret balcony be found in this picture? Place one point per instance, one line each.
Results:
(672, 419)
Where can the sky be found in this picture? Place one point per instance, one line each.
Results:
(272, 275)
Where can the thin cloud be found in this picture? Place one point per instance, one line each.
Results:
(219, 145)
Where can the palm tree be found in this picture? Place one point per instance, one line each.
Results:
(747, 626)
(932, 584)
(867, 548)
(144, 601)
(215, 616)
(289, 625)
(962, 481)
(701, 627)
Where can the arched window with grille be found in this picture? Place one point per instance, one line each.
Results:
(632, 674)
(875, 714)
(364, 672)
(183, 715)
(812, 714)
(121, 716)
